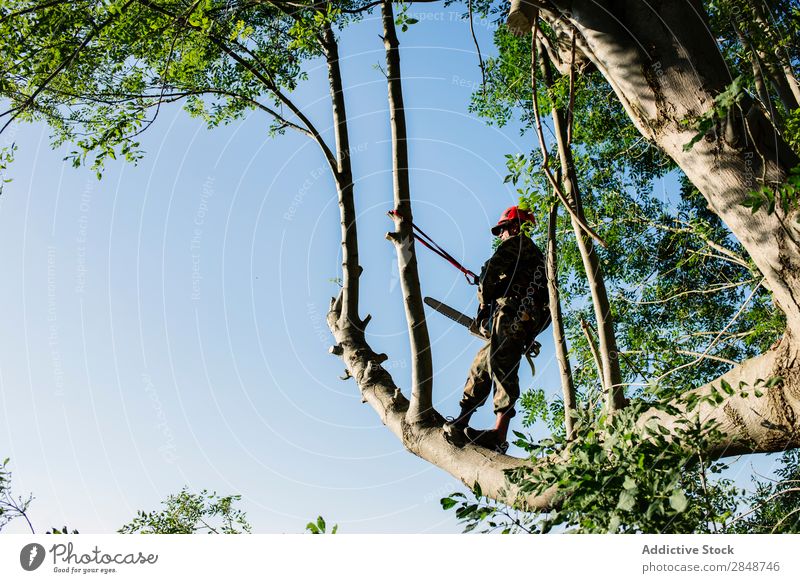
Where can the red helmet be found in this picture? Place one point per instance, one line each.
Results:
(511, 214)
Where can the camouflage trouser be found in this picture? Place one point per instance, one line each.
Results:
(498, 361)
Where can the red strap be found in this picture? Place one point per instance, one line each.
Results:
(428, 242)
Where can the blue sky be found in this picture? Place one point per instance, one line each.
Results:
(165, 326)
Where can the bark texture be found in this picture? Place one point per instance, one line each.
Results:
(750, 423)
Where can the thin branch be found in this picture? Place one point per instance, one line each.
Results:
(762, 504)
(265, 78)
(592, 347)
(784, 519)
(375, 3)
(546, 156)
(732, 256)
(208, 526)
(477, 48)
(689, 292)
(20, 507)
(330, 157)
(714, 333)
(705, 493)
(702, 355)
(713, 342)
(170, 55)
(570, 116)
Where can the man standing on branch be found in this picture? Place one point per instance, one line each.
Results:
(513, 301)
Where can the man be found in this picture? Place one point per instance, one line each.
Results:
(513, 309)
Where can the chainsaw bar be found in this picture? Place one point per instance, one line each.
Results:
(453, 314)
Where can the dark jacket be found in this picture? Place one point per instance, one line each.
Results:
(515, 270)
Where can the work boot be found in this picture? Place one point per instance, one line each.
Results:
(488, 438)
(494, 439)
(454, 427)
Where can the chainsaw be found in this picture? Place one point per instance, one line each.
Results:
(460, 318)
(474, 326)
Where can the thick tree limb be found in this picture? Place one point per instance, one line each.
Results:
(749, 424)
(469, 464)
(344, 183)
(421, 406)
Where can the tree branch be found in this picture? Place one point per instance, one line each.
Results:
(757, 418)
(559, 338)
(421, 407)
(713, 342)
(477, 48)
(344, 184)
(664, 90)
(469, 464)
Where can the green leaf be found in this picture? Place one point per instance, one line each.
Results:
(626, 501)
(777, 380)
(678, 501)
(447, 503)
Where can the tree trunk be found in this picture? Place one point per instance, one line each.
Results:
(421, 407)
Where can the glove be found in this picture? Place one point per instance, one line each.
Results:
(481, 325)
